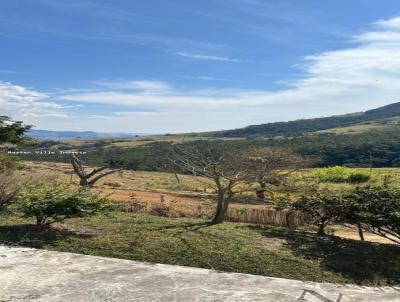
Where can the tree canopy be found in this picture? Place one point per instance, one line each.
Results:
(13, 132)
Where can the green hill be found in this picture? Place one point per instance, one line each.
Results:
(366, 139)
(382, 115)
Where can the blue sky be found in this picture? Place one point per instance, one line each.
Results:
(176, 66)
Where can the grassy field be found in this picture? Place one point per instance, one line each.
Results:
(389, 123)
(145, 180)
(191, 241)
(159, 193)
(232, 247)
(127, 179)
(190, 197)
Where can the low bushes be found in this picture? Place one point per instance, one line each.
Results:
(322, 209)
(358, 177)
(338, 174)
(49, 203)
(9, 163)
(376, 210)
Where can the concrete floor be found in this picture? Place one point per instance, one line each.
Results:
(39, 275)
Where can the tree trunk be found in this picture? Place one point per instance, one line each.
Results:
(219, 215)
(177, 178)
(224, 197)
(288, 217)
(261, 191)
(360, 232)
(321, 229)
(84, 182)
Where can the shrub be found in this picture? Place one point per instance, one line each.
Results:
(358, 177)
(160, 209)
(8, 163)
(376, 210)
(336, 174)
(386, 179)
(56, 202)
(241, 211)
(322, 208)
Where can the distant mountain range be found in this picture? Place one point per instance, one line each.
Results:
(62, 135)
(363, 139)
(382, 117)
(388, 115)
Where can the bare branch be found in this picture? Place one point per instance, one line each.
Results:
(85, 178)
(91, 182)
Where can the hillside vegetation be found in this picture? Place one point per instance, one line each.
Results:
(369, 139)
(373, 148)
(311, 125)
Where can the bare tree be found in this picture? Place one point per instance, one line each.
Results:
(224, 169)
(271, 166)
(89, 179)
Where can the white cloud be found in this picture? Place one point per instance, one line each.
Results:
(207, 57)
(42, 115)
(389, 23)
(135, 85)
(207, 78)
(135, 113)
(19, 101)
(363, 76)
(17, 94)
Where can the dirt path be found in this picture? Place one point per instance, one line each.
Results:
(151, 196)
(181, 198)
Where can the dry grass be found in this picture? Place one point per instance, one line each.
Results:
(176, 205)
(161, 194)
(137, 180)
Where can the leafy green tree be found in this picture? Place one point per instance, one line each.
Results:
(322, 208)
(56, 202)
(376, 210)
(13, 132)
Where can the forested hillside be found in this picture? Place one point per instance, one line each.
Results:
(372, 148)
(310, 125)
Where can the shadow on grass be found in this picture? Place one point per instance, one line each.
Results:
(188, 226)
(34, 236)
(179, 229)
(363, 262)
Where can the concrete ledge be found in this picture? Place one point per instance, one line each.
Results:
(39, 275)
